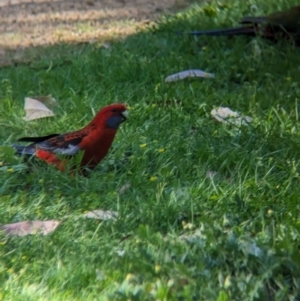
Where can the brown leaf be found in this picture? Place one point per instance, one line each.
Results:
(30, 227)
(188, 73)
(211, 174)
(226, 115)
(35, 109)
(124, 188)
(46, 100)
(106, 45)
(102, 215)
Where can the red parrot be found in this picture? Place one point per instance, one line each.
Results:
(94, 140)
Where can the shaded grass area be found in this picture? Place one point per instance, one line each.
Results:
(180, 235)
(27, 26)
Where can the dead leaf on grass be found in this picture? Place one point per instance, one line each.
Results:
(188, 73)
(211, 174)
(35, 109)
(106, 45)
(256, 50)
(189, 237)
(100, 275)
(102, 215)
(226, 115)
(120, 252)
(47, 100)
(30, 227)
(124, 188)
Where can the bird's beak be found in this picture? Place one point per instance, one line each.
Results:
(125, 114)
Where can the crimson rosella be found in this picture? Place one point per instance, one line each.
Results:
(94, 140)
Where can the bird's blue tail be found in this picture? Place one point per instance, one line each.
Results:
(24, 150)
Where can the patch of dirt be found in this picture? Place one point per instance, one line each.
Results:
(31, 23)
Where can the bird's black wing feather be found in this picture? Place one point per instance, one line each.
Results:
(37, 139)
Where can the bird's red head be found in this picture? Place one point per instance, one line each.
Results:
(111, 117)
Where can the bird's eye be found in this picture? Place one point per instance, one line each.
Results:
(114, 110)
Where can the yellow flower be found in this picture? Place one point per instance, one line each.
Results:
(227, 282)
(10, 170)
(143, 145)
(129, 276)
(161, 150)
(187, 226)
(153, 178)
(157, 268)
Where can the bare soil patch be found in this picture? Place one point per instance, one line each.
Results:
(31, 23)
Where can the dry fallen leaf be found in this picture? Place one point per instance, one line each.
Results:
(188, 73)
(228, 116)
(192, 236)
(30, 227)
(47, 100)
(211, 174)
(124, 188)
(256, 50)
(120, 252)
(101, 214)
(106, 45)
(34, 109)
(100, 275)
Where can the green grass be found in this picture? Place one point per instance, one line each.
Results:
(180, 235)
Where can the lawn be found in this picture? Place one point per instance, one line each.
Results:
(181, 233)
